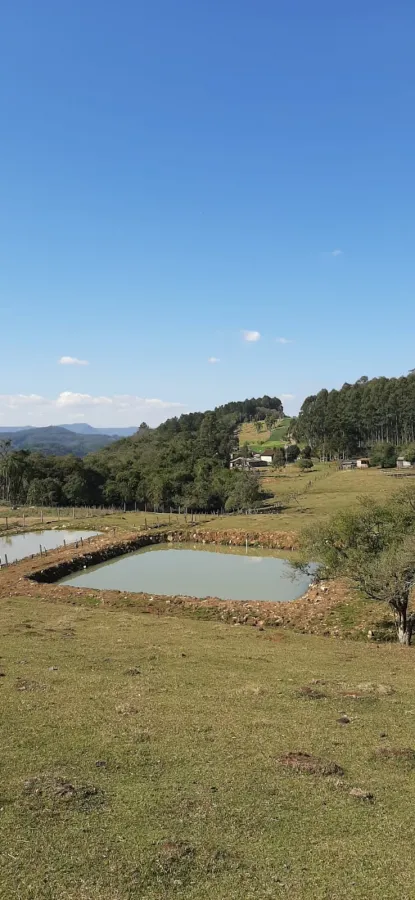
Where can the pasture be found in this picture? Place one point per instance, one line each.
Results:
(146, 758)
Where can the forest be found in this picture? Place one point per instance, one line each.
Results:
(184, 462)
(359, 417)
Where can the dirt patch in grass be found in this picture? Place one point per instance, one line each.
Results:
(126, 709)
(405, 755)
(172, 853)
(48, 791)
(26, 684)
(369, 691)
(311, 693)
(310, 765)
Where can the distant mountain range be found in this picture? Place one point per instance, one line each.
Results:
(77, 428)
(59, 440)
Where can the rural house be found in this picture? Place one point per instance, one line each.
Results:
(363, 463)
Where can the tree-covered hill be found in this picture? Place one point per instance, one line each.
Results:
(183, 462)
(359, 416)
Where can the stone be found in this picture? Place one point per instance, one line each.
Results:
(343, 720)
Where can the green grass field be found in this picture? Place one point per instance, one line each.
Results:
(145, 757)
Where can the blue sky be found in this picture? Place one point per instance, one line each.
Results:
(177, 173)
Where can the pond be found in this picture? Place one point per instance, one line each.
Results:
(17, 546)
(183, 570)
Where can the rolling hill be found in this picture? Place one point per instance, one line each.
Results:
(57, 440)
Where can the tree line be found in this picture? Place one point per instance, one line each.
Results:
(359, 416)
(184, 462)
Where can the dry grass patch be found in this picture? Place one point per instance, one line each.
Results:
(310, 765)
(45, 791)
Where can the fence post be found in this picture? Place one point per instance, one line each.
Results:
(41, 516)
(7, 561)
(73, 512)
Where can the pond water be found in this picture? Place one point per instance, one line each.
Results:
(180, 569)
(17, 546)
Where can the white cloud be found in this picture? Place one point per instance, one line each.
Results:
(17, 401)
(251, 336)
(127, 409)
(283, 340)
(213, 359)
(72, 361)
(337, 252)
(287, 396)
(67, 398)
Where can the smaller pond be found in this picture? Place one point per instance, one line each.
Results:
(183, 570)
(18, 546)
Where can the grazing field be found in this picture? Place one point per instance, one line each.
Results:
(313, 496)
(154, 758)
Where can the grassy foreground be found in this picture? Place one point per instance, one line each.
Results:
(145, 757)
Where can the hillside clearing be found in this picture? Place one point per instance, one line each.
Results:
(261, 440)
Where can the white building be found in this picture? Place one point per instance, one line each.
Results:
(403, 463)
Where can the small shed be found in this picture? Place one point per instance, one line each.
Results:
(363, 463)
(402, 463)
(348, 464)
(266, 458)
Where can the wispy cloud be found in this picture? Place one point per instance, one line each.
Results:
(282, 340)
(287, 396)
(251, 336)
(72, 361)
(49, 410)
(336, 253)
(19, 401)
(213, 359)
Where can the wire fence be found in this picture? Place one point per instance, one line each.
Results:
(43, 551)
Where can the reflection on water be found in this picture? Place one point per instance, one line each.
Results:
(17, 546)
(172, 570)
